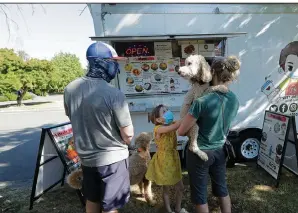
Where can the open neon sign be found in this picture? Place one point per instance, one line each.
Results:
(137, 50)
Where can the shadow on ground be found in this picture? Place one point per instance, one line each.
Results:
(250, 189)
(18, 153)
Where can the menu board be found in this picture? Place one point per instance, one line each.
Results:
(272, 142)
(151, 75)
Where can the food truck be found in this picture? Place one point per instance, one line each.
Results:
(156, 39)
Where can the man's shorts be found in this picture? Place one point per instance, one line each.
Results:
(108, 185)
(199, 170)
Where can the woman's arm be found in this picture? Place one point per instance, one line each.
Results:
(170, 128)
(187, 122)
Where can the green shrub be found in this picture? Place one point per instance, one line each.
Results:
(3, 98)
(13, 97)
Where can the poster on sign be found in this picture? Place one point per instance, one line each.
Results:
(207, 50)
(188, 49)
(291, 157)
(275, 129)
(56, 157)
(63, 137)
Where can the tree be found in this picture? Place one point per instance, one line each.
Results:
(67, 67)
(23, 55)
(41, 77)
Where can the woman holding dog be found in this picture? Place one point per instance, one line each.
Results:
(213, 113)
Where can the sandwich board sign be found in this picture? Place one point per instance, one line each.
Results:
(56, 157)
(279, 137)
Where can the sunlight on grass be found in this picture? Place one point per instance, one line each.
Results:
(263, 188)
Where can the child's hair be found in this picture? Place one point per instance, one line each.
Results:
(155, 114)
(143, 140)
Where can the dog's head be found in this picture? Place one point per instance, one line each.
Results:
(196, 69)
(143, 141)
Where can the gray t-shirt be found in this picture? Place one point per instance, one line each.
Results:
(97, 110)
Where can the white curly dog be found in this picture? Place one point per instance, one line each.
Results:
(197, 71)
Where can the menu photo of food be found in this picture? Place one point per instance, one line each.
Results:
(130, 80)
(163, 66)
(173, 65)
(145, 67)
(128, 67)
(154, 67)
(136, 72)
(139, 88)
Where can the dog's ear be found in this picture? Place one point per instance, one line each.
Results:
(206, 75)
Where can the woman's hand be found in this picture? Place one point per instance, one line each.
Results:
(187, 122)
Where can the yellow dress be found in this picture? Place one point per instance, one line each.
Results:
(165, 167)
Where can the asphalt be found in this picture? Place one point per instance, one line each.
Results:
(20, 129)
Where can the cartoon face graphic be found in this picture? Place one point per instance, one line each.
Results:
(288, 60)
(291, 66)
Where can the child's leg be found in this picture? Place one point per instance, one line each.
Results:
(147, 188)
(148, 192)
(166, 198)
(179, 187)
(141, 188)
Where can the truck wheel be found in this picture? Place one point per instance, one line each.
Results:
(248, 148)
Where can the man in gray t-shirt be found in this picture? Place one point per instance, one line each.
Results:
(102, 129)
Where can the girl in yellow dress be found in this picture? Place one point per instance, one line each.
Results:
(165, 168)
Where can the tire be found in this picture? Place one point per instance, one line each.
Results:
(249, 145)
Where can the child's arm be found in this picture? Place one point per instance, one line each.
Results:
(170, 128)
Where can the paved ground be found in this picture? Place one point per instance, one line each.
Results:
(20, 129)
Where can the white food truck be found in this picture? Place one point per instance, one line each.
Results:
(156, 39)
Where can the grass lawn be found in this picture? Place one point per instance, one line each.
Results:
(250, 189)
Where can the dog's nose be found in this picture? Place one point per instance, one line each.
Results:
(179, 72)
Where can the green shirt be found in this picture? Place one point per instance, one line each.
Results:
(208, 112)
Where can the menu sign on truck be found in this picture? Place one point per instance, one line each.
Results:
(151, 75)
(163, 49)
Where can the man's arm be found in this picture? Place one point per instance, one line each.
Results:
(187, 122)
(122, 118)
(127, 134)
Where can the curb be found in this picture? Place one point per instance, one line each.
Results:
(26, 104)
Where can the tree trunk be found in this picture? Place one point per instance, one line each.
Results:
(20, 98)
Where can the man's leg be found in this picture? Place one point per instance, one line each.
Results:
(225, 204)
(92, 207)
(218, 179)
(92, 189)
(106, 188)
(116, 184)
(198, 180)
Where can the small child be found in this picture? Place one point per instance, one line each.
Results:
(165, 168)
